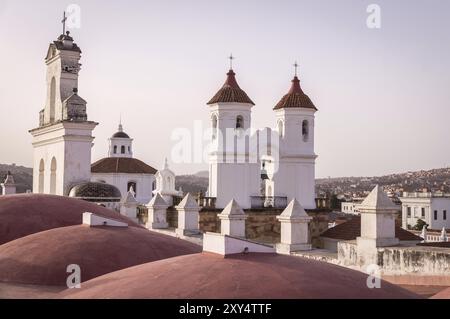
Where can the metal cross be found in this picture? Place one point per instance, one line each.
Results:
(63, 21)
(231, 57)
(295, 66)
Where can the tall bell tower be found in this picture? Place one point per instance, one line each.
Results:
(295, 174)
(234, 170)
(63, 140)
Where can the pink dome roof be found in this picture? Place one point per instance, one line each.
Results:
(42, 258)
(255, 276)
(444, 294)
(25, 214)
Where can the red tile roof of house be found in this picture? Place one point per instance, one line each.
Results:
(231, 92)
(240, 276)
(352, 229)
(295, 98)
(122, 165)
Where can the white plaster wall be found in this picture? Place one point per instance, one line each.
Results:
(295, 177)
(236, 181)
(239, 177)
(70, 144)
(144, 183)
(430, 205)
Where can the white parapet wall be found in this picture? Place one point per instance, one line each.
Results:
(412, 261)
(93, 220)
(228, 245)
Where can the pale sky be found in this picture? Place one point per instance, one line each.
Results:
(383, 94)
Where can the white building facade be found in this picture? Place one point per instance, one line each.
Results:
(432, 208)
(124, 171)
(261, 167)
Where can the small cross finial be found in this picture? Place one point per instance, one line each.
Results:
(231, 58)
(63, 21)
(295, 67)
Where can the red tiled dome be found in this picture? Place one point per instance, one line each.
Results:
(122, 165)
(231, 92)
(42, 258)
(252, 276)
(295, 98)
(25, 214)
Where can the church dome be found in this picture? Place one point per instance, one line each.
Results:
(231, 92)
(42, 258)
(240, 276)
(122, 165)
(25, 214)
(295, 98)
(120, 135)
(96, 192)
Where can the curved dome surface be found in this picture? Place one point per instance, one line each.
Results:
(254, 276)
(42, 258)
(122, 165)
(120, 134)
(93, 190)
(444, 294)
(25, 214)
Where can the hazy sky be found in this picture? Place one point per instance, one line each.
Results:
(383, 94)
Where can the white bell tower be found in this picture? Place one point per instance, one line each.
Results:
(234, 170)
(120, 144)
(295, 174)
(62, 142)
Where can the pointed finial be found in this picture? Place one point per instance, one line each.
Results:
(231, 58)
(120, 123)
(166, 163)
(295, 65)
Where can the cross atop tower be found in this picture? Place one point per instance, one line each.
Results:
(63, 21)
(231, 58)
(295, 65)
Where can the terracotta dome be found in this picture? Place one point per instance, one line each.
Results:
(251, 276)
(25, 214)
(444, 294)
(42, 258)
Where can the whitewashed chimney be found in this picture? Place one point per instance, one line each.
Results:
(232, 220)
(128, 206)
(188, 216)
(9, 186)
(378, 214)
(295, 234)
(443, 236)
(157, 213)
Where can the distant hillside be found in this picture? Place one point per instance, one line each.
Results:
(23, 176)
(192, 183)
(432, 180)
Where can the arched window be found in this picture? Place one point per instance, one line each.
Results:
(53, 176)
(115, 149)
(41, 177)
(52, 99)
(305, 130)
(132, 185)
(280, 128)
(239, 122)
(214, 127)
(122, 149)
